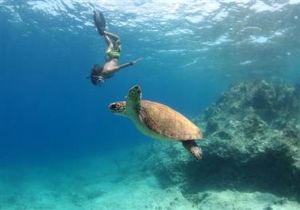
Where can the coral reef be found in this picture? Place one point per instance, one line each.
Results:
(251, 143)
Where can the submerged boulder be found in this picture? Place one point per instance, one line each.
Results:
(253, 119)
(252, 143)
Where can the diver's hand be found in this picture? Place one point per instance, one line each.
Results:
(135, 61)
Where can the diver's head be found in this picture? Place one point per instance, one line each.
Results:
(118, 108)
(96, 70)
(96, 77)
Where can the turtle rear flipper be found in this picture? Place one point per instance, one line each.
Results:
(193, 148)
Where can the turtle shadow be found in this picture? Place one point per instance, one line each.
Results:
(272, 173)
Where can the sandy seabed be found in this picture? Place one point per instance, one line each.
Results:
(115, 182)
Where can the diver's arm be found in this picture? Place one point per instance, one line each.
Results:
(128, 64)
(125, 65)
(119, 67)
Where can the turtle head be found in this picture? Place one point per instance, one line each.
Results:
(118, 108)
(131, 106)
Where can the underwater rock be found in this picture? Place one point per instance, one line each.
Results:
(252, 143)
(231, 200)
(253, 119)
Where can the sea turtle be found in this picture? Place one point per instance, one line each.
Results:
(158, 121)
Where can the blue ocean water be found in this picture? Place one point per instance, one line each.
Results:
(192, 51)
(48, 106)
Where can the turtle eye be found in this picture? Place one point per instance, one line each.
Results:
(113, 106)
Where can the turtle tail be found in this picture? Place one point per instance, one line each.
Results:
(193, 148)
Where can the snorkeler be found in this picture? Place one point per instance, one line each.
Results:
(111, 65)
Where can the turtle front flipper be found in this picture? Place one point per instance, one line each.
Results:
(193, 148)
(134, 99)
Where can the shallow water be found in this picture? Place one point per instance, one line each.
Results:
(60, 147)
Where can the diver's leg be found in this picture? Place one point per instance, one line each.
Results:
(113, 36)
(115, 41)
(108, 42)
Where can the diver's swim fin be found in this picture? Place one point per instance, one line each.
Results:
(99, 22)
